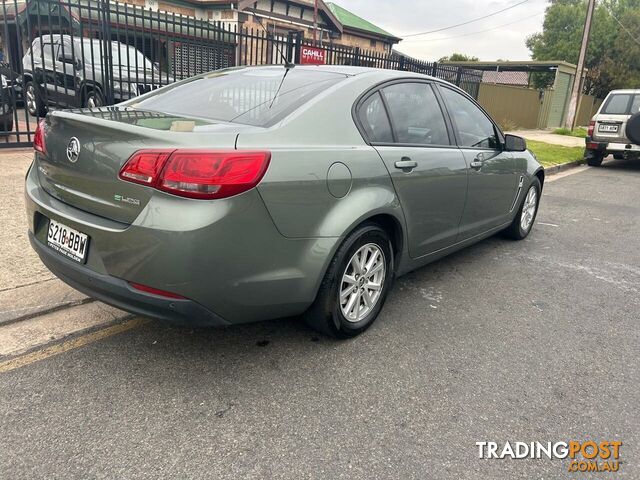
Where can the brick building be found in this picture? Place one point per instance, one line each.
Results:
(335, 25)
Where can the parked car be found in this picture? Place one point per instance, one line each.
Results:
(254, 193)
(606, 133)
(6, 104)
(69, 72)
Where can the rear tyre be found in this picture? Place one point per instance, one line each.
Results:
(523, 221)
(594, 159)
(33, 99)
(356, 284)
(6, 125)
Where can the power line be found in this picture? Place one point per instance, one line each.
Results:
(624, 28)
(467, 22)
(476, 33)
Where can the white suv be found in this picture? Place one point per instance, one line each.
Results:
(607, 128)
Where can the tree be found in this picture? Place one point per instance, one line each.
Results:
(458, 57)
(613, 58)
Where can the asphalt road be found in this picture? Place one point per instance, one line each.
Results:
(521, 341)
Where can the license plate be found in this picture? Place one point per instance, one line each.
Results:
(608, 128)
(67, 241)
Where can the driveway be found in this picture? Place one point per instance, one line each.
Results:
(505, 341)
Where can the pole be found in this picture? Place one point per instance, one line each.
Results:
(577, 81)
(315, 21)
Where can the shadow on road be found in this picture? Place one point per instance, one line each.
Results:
(630, 165)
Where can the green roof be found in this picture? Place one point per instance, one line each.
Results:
(349, 19)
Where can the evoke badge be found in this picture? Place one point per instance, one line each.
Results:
(73, 150)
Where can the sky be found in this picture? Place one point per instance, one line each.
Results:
(403, 17)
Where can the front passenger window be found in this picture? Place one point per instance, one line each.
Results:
(473, 127)
(416, 114)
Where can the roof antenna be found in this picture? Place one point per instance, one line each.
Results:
(287, 64)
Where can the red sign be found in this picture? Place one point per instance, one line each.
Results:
(312, 56)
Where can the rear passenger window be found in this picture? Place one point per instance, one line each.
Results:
(617, 104)
(635, 105)
(416, 114)
(49, 51)
(374, 120)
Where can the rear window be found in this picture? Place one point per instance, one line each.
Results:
(622, 104)
(260, 96)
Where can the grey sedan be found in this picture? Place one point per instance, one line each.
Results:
(253, 193)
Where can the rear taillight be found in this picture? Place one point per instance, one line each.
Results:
(38, 138)
(144, 166)
(592, 126)
(203, 174)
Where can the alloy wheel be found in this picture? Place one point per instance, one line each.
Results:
(92, 102)
(362, 282)
(31, 100)
(529, 209)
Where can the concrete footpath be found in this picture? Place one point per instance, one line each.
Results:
(35, 307)
(548, 136)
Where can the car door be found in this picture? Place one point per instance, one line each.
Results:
(406, 125)
(492, 172)
(67, 74)
(44, 53)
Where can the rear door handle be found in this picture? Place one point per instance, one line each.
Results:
(406, 164)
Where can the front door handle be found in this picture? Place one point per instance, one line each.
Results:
(477, 162)
(406, 164)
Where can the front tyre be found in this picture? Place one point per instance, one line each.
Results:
(35, 105)
(523, 221)
(356, 284)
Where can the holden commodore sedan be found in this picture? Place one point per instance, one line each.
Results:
(253, 193)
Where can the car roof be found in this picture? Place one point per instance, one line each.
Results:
(353, 71)
(628, 90)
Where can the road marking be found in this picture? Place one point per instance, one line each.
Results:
(566, 173)
(548, 224)
(72, 344)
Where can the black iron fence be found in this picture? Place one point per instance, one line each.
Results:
(87, 53)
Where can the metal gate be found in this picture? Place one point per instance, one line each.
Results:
(90, 53)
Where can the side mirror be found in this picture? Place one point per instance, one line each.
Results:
(633, 129)
(513, 143)
(77, 64)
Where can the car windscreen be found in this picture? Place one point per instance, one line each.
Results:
(622, 104)
(250, 96)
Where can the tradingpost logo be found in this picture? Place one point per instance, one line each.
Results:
(585, 457)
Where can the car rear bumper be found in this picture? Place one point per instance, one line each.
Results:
(600, 146)
(120, 294)
(226, 257)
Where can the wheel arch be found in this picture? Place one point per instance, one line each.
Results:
(86, 87)
(540, 174)
(389, 220)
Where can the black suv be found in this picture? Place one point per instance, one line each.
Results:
(69, 72)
